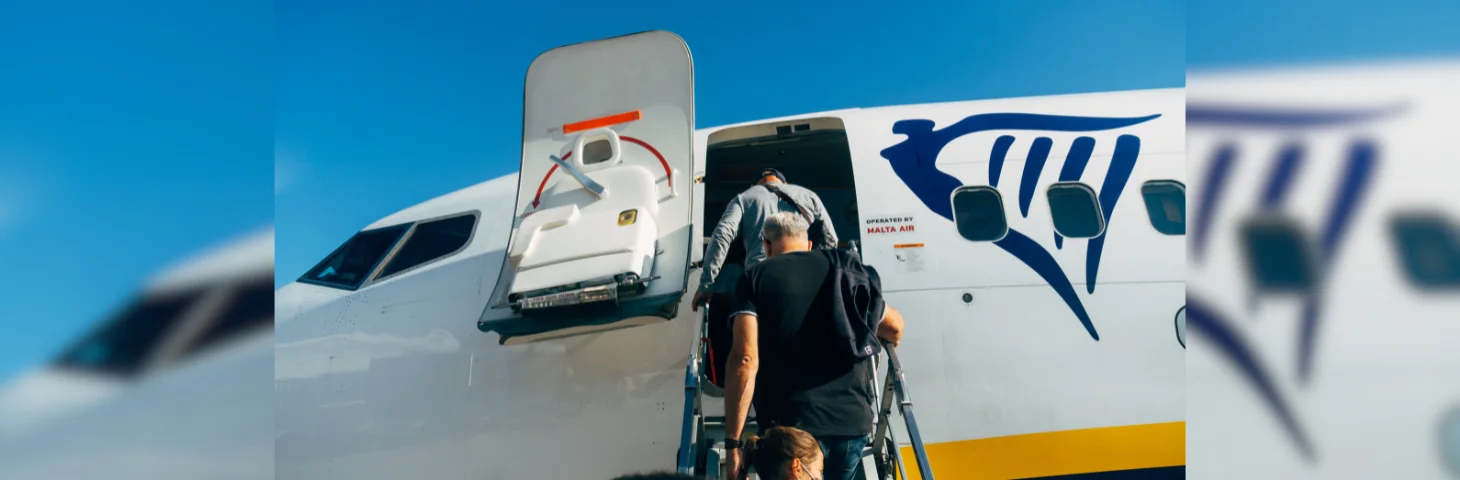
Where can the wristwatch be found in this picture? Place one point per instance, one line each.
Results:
(733, 443)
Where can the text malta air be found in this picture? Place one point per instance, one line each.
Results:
(538, 325)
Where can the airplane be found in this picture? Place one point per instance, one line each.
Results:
(1413, 436)
(1324, 265)
(174, 383)
(537, 325)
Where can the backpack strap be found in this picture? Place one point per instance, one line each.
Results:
(809, 218)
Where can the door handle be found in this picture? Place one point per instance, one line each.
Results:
(598, 190)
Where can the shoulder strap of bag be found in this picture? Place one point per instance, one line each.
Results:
(809, 219)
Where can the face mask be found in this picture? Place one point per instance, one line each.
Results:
(807, 471)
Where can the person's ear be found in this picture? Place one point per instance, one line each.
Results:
(797, 467)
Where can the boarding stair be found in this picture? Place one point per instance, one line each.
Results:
(702, 449)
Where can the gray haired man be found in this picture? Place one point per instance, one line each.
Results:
(747, 213)
(784, 357)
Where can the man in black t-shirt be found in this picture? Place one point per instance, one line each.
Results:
(783, 356)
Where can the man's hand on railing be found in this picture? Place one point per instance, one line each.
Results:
(734, 464)
(895, 387)
(890, 330)
(700, 299)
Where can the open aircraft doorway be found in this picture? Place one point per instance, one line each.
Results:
(602, 231)
(812, 153)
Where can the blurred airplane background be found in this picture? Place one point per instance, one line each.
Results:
(1324, 264)
(134, 140)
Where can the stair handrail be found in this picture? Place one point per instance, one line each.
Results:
(690, 426)
(896, 385)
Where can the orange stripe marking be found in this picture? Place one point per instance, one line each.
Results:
(601, 122)
(1056, 453)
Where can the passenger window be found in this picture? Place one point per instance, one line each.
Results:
(1076, 210)
(432, 240)
(1428, 250)
(123, 345)
(1166, 205)
(351, 264)
(979, 214)
(1278, 256)
(251, 308)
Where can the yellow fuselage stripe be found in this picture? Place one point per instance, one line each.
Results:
(1056, 453)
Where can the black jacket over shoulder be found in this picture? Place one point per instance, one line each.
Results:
(857, 304)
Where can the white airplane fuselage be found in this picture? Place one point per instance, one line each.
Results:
(1026, 357)
(395, 379)
(174, 385)
(1323, 266)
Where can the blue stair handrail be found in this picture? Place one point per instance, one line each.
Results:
(690, 424)
(884, 446)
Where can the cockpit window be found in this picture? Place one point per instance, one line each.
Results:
(123, 345)
(431, 241)
(351, 264)
(250, 308)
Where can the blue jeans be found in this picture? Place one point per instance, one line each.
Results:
(842, 456)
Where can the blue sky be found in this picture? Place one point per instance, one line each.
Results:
(1224, 33)
(131, 133)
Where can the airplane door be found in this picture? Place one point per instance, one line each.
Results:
(603, 228)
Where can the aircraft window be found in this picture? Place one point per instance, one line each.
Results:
(1076, 210)
(597, 151)
(1428, 250)
(1181, 326)
(430, 241)
(351, 264)
(979, 214)
(251, 308)
(1450, 439)
(124, 344)
(1166, 205)
(1278, 255)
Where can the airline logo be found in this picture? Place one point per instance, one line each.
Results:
(914, 162)
(1303, 273)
